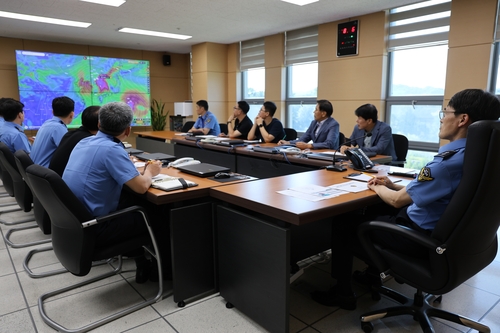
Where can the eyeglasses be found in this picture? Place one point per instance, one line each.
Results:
(236, 108)
(442, 113)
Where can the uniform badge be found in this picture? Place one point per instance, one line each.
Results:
(208, 120)
(425, 175)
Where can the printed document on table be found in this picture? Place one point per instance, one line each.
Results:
(312, 192)
(353, 186)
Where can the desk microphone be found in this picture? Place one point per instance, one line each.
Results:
(340, 168)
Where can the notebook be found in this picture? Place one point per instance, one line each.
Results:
(168, 183)
(203, 169)
(155, 156)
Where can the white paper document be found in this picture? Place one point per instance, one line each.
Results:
(312, 192)
(353, 186)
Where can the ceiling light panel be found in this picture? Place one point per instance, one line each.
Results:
(114, 3)
(42, 19)
(300, 2)
(154, 33)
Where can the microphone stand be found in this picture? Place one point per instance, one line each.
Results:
(341, 168)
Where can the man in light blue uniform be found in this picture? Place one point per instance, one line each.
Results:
(380, 141)
(417, 206)
(12, 133)
(206, 122)
(323, 130)
(51, 132)
(97, 169)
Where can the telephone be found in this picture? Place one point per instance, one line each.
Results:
(183, 162)
(359, 159)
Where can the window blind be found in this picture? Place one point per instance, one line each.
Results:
(424, 24)
(301, 45)
(252, 54)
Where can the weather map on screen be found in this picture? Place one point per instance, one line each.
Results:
(85, 79)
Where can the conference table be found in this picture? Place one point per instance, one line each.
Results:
(239, 159)
(254, 239)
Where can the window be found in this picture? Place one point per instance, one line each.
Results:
(253, 76)
(301, 76)
(418, 53)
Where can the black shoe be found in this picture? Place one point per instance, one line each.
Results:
(142, 272)
(155, 277)
(332, 297)
(367, 278)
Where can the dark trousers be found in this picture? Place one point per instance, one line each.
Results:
(346, 245)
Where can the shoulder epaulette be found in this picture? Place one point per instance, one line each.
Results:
(447, 154)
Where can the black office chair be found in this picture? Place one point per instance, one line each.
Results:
(341, 139)
(73, 239)
(8, 186)
(462, 244)
(22, 194)
(23, 161)
(223, 128)
(401, 148)
(187, 126)
(290, 133)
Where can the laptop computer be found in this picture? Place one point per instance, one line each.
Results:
(268, 150)
(193, 138)
(133, 151)
(156, 156)
(203, 169)
(232, 142)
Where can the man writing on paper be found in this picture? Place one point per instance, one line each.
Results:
(418, 206)
(323, 131)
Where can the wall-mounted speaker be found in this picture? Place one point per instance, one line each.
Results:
(166, 60)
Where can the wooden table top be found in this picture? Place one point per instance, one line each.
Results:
(261, 196)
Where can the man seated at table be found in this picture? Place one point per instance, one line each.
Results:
(238, 124)
(12, 131)
(266, 128)
(380, 141)
(90, 121)
(97, 170)
(418, 206)
(323, 132)
(207, 123)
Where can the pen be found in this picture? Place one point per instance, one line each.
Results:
(367, 174)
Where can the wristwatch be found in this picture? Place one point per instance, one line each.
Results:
(229, 122)
(261, 125)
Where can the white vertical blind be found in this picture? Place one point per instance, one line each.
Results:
(301, 45)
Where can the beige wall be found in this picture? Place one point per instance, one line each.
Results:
(168, 83)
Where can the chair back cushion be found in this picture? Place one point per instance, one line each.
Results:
(22, 192)
(187, 126)
(23, 161)
(290, 133)
(400, 146)
(73, 244)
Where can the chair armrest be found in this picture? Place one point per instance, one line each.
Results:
(116, 214)
(411, 234)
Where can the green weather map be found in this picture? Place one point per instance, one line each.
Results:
(87, 80)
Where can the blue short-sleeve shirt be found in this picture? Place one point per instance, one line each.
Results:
(208, 120)
(13, 136)
(435, 185)
(47, 139)
(96, 171)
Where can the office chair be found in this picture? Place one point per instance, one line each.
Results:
(22, 194)
(401, 148)
(341, 139)
(74, 237)
(187, 126)
(223, 128)
(462, 244)
(290, 133)
(23, 161)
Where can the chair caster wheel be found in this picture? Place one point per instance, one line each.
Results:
(181, 304)
(367, 327)
(229, 305)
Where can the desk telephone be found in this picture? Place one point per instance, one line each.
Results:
(359, 159)
(290, 150)
(183, 162)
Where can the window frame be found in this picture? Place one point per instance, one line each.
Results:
(289, 101)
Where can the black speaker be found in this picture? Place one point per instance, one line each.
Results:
(166, 60)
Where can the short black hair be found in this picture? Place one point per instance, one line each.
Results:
(326, 106)
(10, 108)
(62, 106)
(270, 107)
(202, 103)
(90, 117)
(367, 111)
(477, 103)
(244, 106)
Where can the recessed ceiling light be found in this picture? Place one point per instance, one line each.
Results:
(300, 2)
(44, 19)
(115, 3)
(154, 33)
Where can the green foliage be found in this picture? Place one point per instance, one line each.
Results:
(158, 119)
